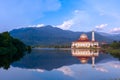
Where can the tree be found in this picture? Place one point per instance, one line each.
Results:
(11, 49)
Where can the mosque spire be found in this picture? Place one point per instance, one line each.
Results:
(93, 61)
(93, 36)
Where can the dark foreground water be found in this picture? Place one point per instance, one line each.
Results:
(50, 64)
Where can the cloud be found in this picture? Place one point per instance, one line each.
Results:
(66, 24)
(78, 18)
(101, 27)
(100, 68)
(66, 70)
(105, 9)
(24, 12)
(38, 70)
(95, 12)
(92, 13)
(38, 25)
(115, 30)
(115, 64)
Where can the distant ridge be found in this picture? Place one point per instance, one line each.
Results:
(49, 35)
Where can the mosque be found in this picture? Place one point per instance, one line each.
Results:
(84, 42)
(85, 54)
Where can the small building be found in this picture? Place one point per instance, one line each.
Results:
(84, 42)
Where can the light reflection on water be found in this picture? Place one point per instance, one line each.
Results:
(84, 54)
(72, 64)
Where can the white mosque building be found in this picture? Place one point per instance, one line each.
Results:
(84, 42)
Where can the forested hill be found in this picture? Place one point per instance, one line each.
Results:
(10, 45)
(49, 35)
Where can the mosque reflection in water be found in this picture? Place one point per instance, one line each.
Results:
(85, 54)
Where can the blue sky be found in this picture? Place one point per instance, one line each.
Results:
(75, 15)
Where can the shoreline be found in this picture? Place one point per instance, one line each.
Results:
(63, 48)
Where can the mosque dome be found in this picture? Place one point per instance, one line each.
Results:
(83, 37)
(83, 60)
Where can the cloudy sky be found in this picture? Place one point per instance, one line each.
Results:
(75, 15)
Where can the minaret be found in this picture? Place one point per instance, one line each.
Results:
(93, 36)
(93, 61)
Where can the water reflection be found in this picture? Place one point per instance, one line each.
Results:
(85, 54)
(53, 59)
(63, 65)
(7, 59)
(46, 59)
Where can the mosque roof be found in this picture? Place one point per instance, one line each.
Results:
(83, 38)
(83, 60)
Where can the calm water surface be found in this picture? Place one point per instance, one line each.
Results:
(50, 64)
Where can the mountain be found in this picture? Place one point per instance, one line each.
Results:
(112, 36)
(49, 35)
(117, 37)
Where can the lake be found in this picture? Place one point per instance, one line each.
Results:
(63, 64)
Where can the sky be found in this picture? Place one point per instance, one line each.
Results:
(74, 15)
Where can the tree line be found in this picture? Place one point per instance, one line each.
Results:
(112, 48)
(8, 44)
(11, 49)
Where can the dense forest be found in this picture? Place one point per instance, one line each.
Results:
(11, 49)
(113, 45)
(113, 48)
(11, 45)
